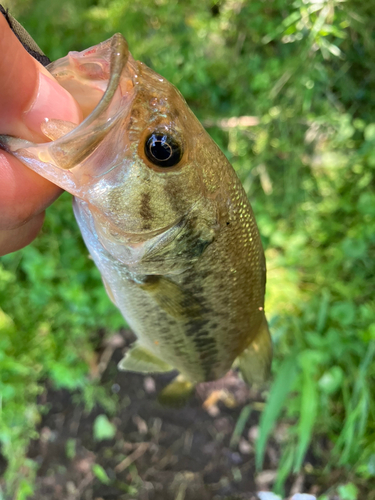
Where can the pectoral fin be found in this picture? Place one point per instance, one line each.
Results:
(177, 393)
(255, 361)
(172, 298)
(109, 291)
(140, 360)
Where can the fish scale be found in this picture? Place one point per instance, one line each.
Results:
(163, 215)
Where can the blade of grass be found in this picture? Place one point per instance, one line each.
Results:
(323, 311)
(309, 405)
(240, 425)
(279, 392)
(284, 469)
(357, 412)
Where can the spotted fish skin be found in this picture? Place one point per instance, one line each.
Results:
(178, 246)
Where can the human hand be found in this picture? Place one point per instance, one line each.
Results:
(28, 95)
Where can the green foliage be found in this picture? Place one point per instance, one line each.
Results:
(103, 429)
(70, 448)
(305, 69)
(348, 491)
(55, 306)
(101, 474)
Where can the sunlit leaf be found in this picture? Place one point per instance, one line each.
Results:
(101, 474)
(348, 491)
(103, 428)
(331, 380)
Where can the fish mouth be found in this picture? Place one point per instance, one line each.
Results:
(101, 81)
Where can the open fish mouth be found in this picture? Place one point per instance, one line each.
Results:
(102, 80)
(96, 79)
(93, 75)
(103, 85)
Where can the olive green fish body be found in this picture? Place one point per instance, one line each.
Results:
(200, 320)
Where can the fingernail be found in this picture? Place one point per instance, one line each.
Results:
(51, 101)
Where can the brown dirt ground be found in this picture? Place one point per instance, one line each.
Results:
(158, 452)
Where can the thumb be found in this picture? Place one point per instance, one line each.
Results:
(28, 95)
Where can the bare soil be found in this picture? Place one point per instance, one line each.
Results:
(194, 452)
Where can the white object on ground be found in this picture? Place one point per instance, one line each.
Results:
(268, 495)
(303, 496)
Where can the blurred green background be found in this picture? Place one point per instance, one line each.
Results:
(305, 72)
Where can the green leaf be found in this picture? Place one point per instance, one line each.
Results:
(331, 380)
(366, 203)
(103, 428)
(354, 248)
(370, 132)
(343, 312)
(279, 392)
(371, 465)
(70, 448)
(101, 474)
(348, 491)
(284, 468)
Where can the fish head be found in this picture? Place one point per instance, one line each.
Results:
(140, 163)
(146, 177)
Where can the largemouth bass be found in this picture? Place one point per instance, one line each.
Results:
(163, 215)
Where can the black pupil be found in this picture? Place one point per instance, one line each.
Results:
(162, 150)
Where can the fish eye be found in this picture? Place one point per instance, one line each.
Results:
(163, 150)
